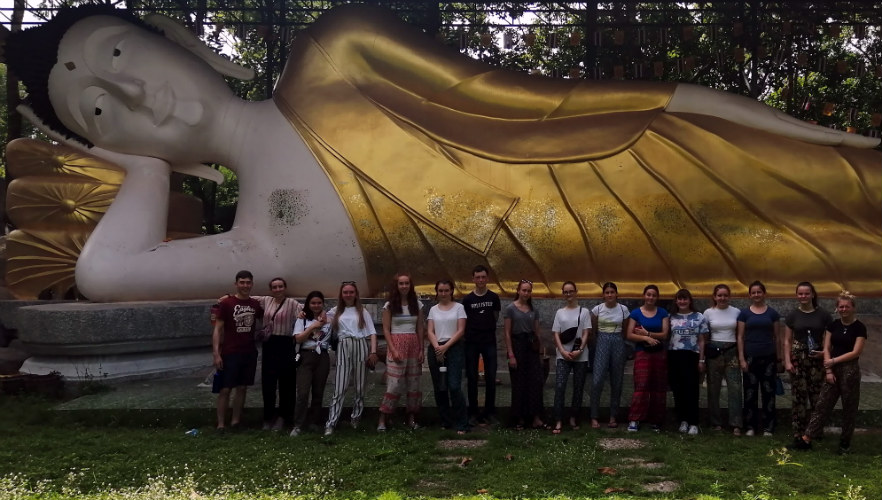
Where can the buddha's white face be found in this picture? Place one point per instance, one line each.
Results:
(133, 91)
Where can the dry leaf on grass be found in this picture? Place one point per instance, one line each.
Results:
(465, 461)
(616, 490)
(483, 491)
(607, 471)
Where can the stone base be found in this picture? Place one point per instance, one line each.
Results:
(86, 341)
(121, 366)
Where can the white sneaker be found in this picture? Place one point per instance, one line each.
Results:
(633, 426)
(684, 427)
(329, 431)
(295, 432)
(767, 434)
(749, 433)
(693, 430)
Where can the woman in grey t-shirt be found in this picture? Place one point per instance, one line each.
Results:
(522, 343)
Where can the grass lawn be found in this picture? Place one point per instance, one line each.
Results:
(146, 455)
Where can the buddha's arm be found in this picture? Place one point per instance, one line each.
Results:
(127, 258)
(739, 109)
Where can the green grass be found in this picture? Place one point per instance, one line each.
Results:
(145, 455)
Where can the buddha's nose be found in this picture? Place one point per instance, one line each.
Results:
(130, 91)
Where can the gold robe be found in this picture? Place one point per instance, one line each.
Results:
(443, 163)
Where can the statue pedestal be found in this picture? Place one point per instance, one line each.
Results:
(86, 341)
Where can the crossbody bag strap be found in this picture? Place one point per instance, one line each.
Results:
(279, 309)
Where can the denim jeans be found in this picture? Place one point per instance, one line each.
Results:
(449, 397)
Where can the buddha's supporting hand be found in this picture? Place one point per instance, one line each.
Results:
(123, 161)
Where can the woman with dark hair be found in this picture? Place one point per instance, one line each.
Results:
(843, 344)
(572, 355)
(403, 330)
(804, 329)
(758, 333)
(522, 341)
(313, 336)
(355, 332)
(648, 328)
(688, 330)
(278, 373)
(608, 320)
(446, 357)
(721, 357)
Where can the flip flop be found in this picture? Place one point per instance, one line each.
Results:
(556, 430)
(612, 425)
(595, 425)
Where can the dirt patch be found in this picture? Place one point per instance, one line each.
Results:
(662, 486)
(620, 444)
(461, 444)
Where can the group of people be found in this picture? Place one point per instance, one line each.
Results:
(672, 349)
(296, 362)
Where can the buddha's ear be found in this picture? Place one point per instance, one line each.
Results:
(177, 33)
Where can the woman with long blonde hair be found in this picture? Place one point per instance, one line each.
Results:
(357, 344)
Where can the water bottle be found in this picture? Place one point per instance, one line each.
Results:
(810, 342)
(442, 382)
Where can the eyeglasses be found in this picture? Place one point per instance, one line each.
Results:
(343, 283)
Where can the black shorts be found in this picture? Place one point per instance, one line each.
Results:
(238, 369)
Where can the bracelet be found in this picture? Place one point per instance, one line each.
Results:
(373, 353)
(701, 361)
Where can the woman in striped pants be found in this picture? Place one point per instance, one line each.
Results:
(355, 332)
